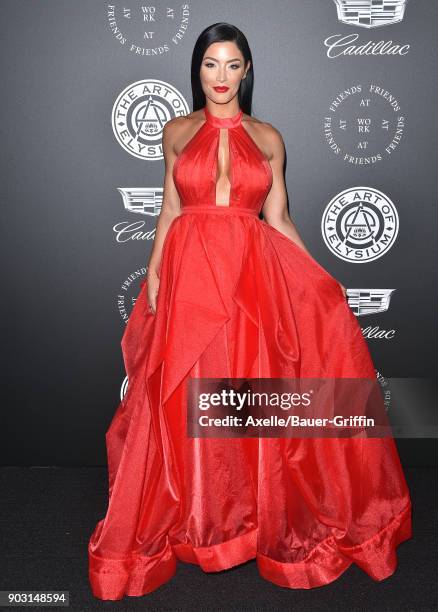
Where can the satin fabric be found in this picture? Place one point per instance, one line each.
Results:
(237, 298)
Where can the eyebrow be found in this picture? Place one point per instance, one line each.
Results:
(216, 60)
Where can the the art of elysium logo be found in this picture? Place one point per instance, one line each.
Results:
(364, 124)
(360, 224)
(140, 113)
(366, 14)
(370, 13)
(148, 30)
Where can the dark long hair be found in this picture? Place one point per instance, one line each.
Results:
(221, 32)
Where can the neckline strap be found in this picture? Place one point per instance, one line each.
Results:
(223, 122)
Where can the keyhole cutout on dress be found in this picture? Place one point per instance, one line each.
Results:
(223, 170)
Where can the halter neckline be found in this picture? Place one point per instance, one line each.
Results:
(223, 122)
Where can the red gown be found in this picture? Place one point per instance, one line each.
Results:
(237, 298)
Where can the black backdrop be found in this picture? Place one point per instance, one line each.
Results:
(68, 187)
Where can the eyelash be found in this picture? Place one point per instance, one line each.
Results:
(211, 64)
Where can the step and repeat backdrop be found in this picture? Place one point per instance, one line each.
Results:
(351, 85)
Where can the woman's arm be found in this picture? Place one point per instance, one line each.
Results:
(171, 202)
(275, 210)
(170, 209)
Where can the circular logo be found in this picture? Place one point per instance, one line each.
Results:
(364, 124)
(140, 113)
(360, 224)
(129, 292)
(149, 30)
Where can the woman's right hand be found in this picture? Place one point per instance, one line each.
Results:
(153, 281)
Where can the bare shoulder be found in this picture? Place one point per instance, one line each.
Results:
(179, 129)
(182, 121)
(266, 136)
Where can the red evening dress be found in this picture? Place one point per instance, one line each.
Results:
(237, 298)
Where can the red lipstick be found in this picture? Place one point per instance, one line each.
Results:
(221, 89)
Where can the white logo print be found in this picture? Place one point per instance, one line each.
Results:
(129, 291)
(369, 301)
(142, 200)
(149, 30)
(360, 224)
(140, 113)
(145, 201)
(364, 123)
(124, 388)
(370, 13)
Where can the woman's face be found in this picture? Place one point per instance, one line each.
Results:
(222, 67)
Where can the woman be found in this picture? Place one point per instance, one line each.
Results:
(230, 295)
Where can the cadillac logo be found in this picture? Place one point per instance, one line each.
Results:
(145, 201)
(369, 301)
(142, 200)
(370, 13)
(360, 224)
